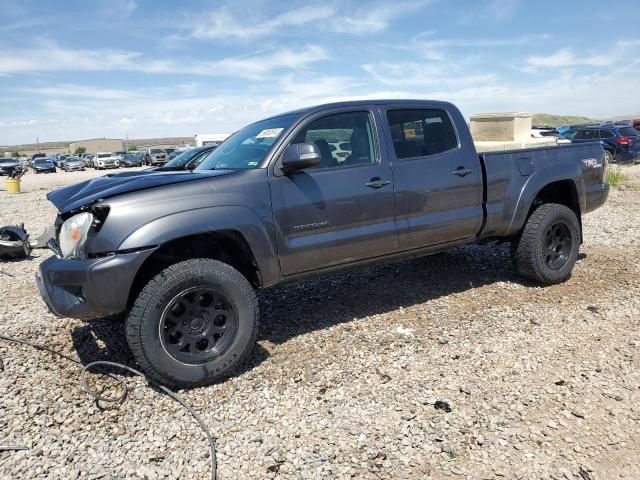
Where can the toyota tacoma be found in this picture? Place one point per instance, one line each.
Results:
(182, 254)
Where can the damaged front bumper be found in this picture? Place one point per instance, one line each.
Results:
(91, 288)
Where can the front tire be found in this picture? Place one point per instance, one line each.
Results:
(548, 246)
(193, 323)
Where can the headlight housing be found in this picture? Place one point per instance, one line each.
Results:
(73, 234)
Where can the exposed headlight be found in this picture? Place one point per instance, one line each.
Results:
(73, 234)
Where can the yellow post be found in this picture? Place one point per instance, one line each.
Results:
(13, 185)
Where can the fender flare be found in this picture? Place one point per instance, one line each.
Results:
(539, 180)
(256, 232)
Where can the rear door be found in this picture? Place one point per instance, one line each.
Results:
(342, 210)
(437, 176)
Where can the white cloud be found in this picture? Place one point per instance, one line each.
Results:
(425, 40)
(368, 19)
(170, 111)
(566, 58)
(426, 74)
(256, 64)
(502, 9)
(72, 90)
(49, 57)
(242, 24)
(222, 24)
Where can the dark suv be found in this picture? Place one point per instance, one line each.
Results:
(621, 144)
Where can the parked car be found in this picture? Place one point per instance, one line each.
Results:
(635, 123)
(621, 144)
(9, 166)
(72, 164)
(156, 156)
(88, 159)
(183, 252)
(132, 160)
(43, 165)
(188, 160)
(176, 152)
(61, 160)
(545, 132)
(104, 160)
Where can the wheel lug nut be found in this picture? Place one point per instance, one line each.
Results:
(184, 322)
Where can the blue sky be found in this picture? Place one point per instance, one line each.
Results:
(139, 68)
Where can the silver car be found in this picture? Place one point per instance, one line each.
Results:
(72, 164)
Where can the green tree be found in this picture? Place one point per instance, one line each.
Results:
(133, 148)
(81, 150)
(15, 154)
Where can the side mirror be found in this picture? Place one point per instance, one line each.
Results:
(299, 156)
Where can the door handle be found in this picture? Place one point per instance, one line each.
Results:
(462, 172)
(377, 182)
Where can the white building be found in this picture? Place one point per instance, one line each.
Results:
(210, 139)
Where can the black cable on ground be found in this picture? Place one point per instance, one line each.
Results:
(97, 395)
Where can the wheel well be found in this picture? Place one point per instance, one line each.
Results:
(563, 192)
(226, 246)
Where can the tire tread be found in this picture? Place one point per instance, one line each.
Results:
(150, 295)
(524, 254)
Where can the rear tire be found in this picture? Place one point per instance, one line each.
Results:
(193, 323)
(548, 246)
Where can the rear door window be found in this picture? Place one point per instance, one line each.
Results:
(606, 134)
(419, 133)
(586, 135)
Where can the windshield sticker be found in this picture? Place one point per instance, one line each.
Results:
(269, 133)
(252, 164)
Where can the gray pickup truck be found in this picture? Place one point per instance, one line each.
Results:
(183, 253)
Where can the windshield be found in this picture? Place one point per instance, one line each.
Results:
(156, 150)
(104, 155)
(247, 147)
(41, 162)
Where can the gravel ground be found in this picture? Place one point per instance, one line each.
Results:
(348, 372)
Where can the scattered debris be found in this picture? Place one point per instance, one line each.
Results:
(585, 473)
(41, 240)
(444, 406)
(320, 460)
(404, 331)
(14, 242)
(12, 448)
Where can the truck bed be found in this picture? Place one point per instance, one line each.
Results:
(512, 175)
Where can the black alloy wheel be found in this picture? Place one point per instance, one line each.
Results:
(198, 325)
(558, 245)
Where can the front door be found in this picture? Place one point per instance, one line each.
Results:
(342, 210)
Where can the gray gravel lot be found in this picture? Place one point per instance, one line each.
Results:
(541, 382)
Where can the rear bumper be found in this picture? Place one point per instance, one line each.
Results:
(596, 196)
(91, 288)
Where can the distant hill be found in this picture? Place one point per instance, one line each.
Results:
(63, 145)
(559, 120)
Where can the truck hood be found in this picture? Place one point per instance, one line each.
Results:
(83, 193)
